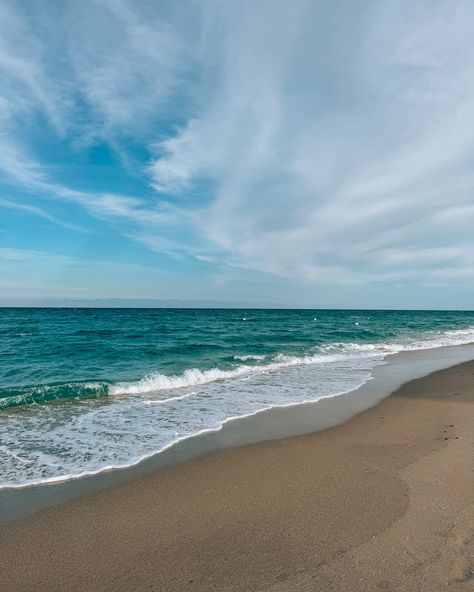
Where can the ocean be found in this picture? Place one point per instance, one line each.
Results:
(87, 390)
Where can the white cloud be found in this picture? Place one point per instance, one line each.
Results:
(334, 136)
(98, 70)
(27, 83)
(125, 66)
(325, 141)
(41, 213)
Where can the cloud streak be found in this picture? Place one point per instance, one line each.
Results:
(321, 141)
(333, 137)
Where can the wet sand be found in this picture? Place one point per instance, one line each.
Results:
(383, 502)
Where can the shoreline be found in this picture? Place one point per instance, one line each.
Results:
(383, 501)
(268, 424)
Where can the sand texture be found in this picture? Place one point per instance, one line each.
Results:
(383, 503)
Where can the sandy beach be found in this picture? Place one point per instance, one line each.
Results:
(236, 296)
(383, 502)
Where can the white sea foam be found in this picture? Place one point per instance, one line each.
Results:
(193, 377)
(102, 434)
(150, 415)
(169, 399)
(247, 357)
(335, 352)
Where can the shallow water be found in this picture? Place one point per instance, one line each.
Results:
(87, 389)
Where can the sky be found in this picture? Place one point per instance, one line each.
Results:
(314, 153)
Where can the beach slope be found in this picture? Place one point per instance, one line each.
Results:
(383, 502)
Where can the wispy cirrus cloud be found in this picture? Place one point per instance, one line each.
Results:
(127, 66)
(334, 136)
(28, 83)
(319, 141)
(141, 219)
(29, 209)
(96, 73)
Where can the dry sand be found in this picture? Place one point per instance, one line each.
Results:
(384, 502)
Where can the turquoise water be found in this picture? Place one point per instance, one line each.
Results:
(83, 390)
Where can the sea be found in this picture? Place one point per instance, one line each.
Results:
(88, 390)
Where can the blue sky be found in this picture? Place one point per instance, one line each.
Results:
(307, 153)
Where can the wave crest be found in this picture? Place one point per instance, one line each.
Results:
(44, 393)
(156, 382)
(333, 352)
(193, 377)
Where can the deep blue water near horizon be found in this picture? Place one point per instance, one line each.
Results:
(82, 390)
